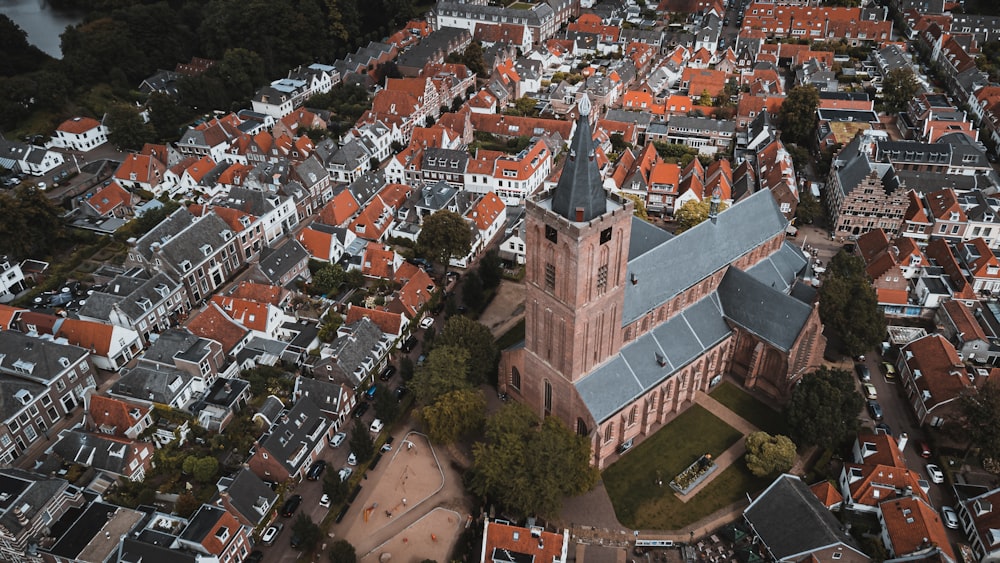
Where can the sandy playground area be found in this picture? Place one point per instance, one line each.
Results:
(433, 536)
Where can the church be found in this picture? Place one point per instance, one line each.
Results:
(626, 322)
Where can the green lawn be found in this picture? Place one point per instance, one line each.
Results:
(631, 482)
(750, 409)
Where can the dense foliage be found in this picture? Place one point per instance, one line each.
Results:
(120, 43)
(824, 408)
(768, 455)
(980, 421)
(848, 305)
(797, 116)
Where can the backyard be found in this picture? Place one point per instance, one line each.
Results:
(633, 483)
(750, 409)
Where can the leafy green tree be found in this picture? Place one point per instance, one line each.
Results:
(472, 58)
(307, 531)
(343, 552)
(361, 441)
(706, 98)
(473, 294)
(126, 129)
(640, 206)
(186, 505)
(477, 340)
(20, 56)
(166, 116)
(445, 235)
(332, 322)
(809, 208)
(797, 116)
(618, 144)
(693, 212)
(328, 279)
(523, 106)
(491, 269)
(445, 370)
(898, 88)
(980, 419)
(203, 469)
(824, 408)
(848, 305)
(529, 467)
(386, 406)
(336, 489)
(454, 414)
(767, 455)
(31, 226)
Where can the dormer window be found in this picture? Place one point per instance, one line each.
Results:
(185, 265)
(145, 304)
(954, 216)
(206, 249)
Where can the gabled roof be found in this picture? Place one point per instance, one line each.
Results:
(87, 334)
(942, 375)
(109, 198)
(388, 322)
(486, 211)
(791, 521)
(293, 432)
(378, 261)
(912, 525)
(260, 292)
(78, 125)
(214, 324)
(250, 314)
(114, 416)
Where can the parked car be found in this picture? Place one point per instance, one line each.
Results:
(360, 410)
(296, 540)
(324, 501)
(924, 449)
(875, 410)
(352, 459)
(271, 533)
(935, 473)
(377, 426)
(883, 428)
(337, 439)
(890, 371)
(949, 517)
(316, 469)
(870, 391)
(426, 322)
(401, 392)
(345, 474)
(385, 448)
(370, 393)
(409, 344)
(387, 373)
(863, 374)
(291, 505)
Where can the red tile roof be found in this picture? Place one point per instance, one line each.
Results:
(7, 314)
(388, 322)
(504, 539)
(911, 523)
(339, 210)
(78, 125)
(109, 412)
(942, 374)
(378, 261)
(109, 198)
(250, 314)
(260, 292)
(485, 212)
(213, 323)
(89, 335)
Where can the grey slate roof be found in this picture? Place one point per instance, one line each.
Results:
(126, 291)
(350, 351)
(645, 236)
(19, 488)
(635, 369)
(324, 393)
(780, 269)
(304, 425)
(790, 519)
(271, 408)
(93, 450)
(203, 523)
(702, 123)
(773, 316)
(9, 385)
(580, 186)
(177, 343)
(150, 384)
(275, 262)
(166, 230)
(708, 248)
(249, 495)
(32, 359)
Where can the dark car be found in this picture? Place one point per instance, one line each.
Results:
(316, 469)
(401, 392)
(409, 344)
(863, 373)
(296, 540)
(387, 373)
(291, 505)
(360, 410)
(875, 410)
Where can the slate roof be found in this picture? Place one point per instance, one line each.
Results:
(775, 269)
(762, 310)
(250, 496)
(303, 426)
(94, 450)
(703, 249)
(580, 186)
(180, 344)
(349, 352)
(275, 262)
(790, 520)
(19, 488)
(150, 384)
(9, 385)
(33, 359)
(326, 394)
(645, 237)
(126, 291)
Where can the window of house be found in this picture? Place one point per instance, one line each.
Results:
(515, 378)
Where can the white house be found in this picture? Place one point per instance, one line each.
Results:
(80, 134)
(11, 280)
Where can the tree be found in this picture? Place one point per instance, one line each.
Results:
(186, 505)
(336, 489)
(797, 116)
(445, 235)
(809, 208)
(898, 88)
(490, 269)
(332, 322)
(529, 467)
(640, 206)
(980, 421)
(767, 455)
(343, 552)
(824, 408)
(328, 279)
(307, 531)
(473, 295)
(848, 305)
(454, 414)
(203, 469)
(20, 56)
(693, 212)
(31, 225)
(386, 406)
(476, 339)
(166, 116)
(706, 98)
(126, 129)
(361, 441)
(618, 144)
(445, 370)
(523, 106)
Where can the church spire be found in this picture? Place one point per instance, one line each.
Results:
(580, 196)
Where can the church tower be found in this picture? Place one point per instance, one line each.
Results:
(577, 243)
